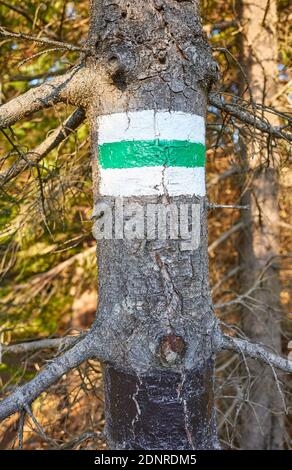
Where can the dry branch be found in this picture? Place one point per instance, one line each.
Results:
(42, 150)
(47, 41)
(18, 10)
(225, 236)
(26, 394)
(60, 89)
(249, 118)
(212, 205)
(36, 76)
(256, 351)
(34, 346)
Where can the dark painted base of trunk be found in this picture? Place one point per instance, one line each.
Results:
(162, 410)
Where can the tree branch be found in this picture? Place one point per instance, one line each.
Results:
(212, 205)
(248, 118)
(224, 236)
(37, 76)
(26, 394)
(59, 44)
(77, 440)
(34, 346)
(18, 10)
(42, 150)
(61, 89)
(255, 351)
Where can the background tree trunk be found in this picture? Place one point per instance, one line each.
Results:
(155, 70)
(262, 427)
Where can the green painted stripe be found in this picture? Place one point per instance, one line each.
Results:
(139, 153)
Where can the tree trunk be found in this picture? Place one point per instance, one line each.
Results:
(262, 421)
(147, 125)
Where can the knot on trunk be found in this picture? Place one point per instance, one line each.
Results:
(120, 62)
(172, 349)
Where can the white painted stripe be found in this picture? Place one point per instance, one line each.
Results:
(148, 125)
(126, 126)
(149, 181)
(180, 126)
(144, 181)
(181, 180)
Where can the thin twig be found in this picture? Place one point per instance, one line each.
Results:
(38, 54)
(247, 117)
(33, 157)
(227, 206)
(59, 44)
(72, 358)
(34, 346)
(78, 440)
(20, 428)
(224, 236)
(255, 351)
(39, 429)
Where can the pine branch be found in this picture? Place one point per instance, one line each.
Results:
(249, 118)
(224, 236)
(60, 89)
(212, 205)
(256, 351)
(36, 76)
(42, 150)
(38, 345)
(18, 10)
(26, 394)
(51, 42)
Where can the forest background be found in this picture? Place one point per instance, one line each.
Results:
(47, 251)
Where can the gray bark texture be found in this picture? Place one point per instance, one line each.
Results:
(262, 422)
(154, 300)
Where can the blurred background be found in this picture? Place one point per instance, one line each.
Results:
(48, 272)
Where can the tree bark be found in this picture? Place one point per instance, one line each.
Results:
(262, 422)
(155, 309)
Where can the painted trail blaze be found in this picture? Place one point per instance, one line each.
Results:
(151, 153)
(139, 153)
